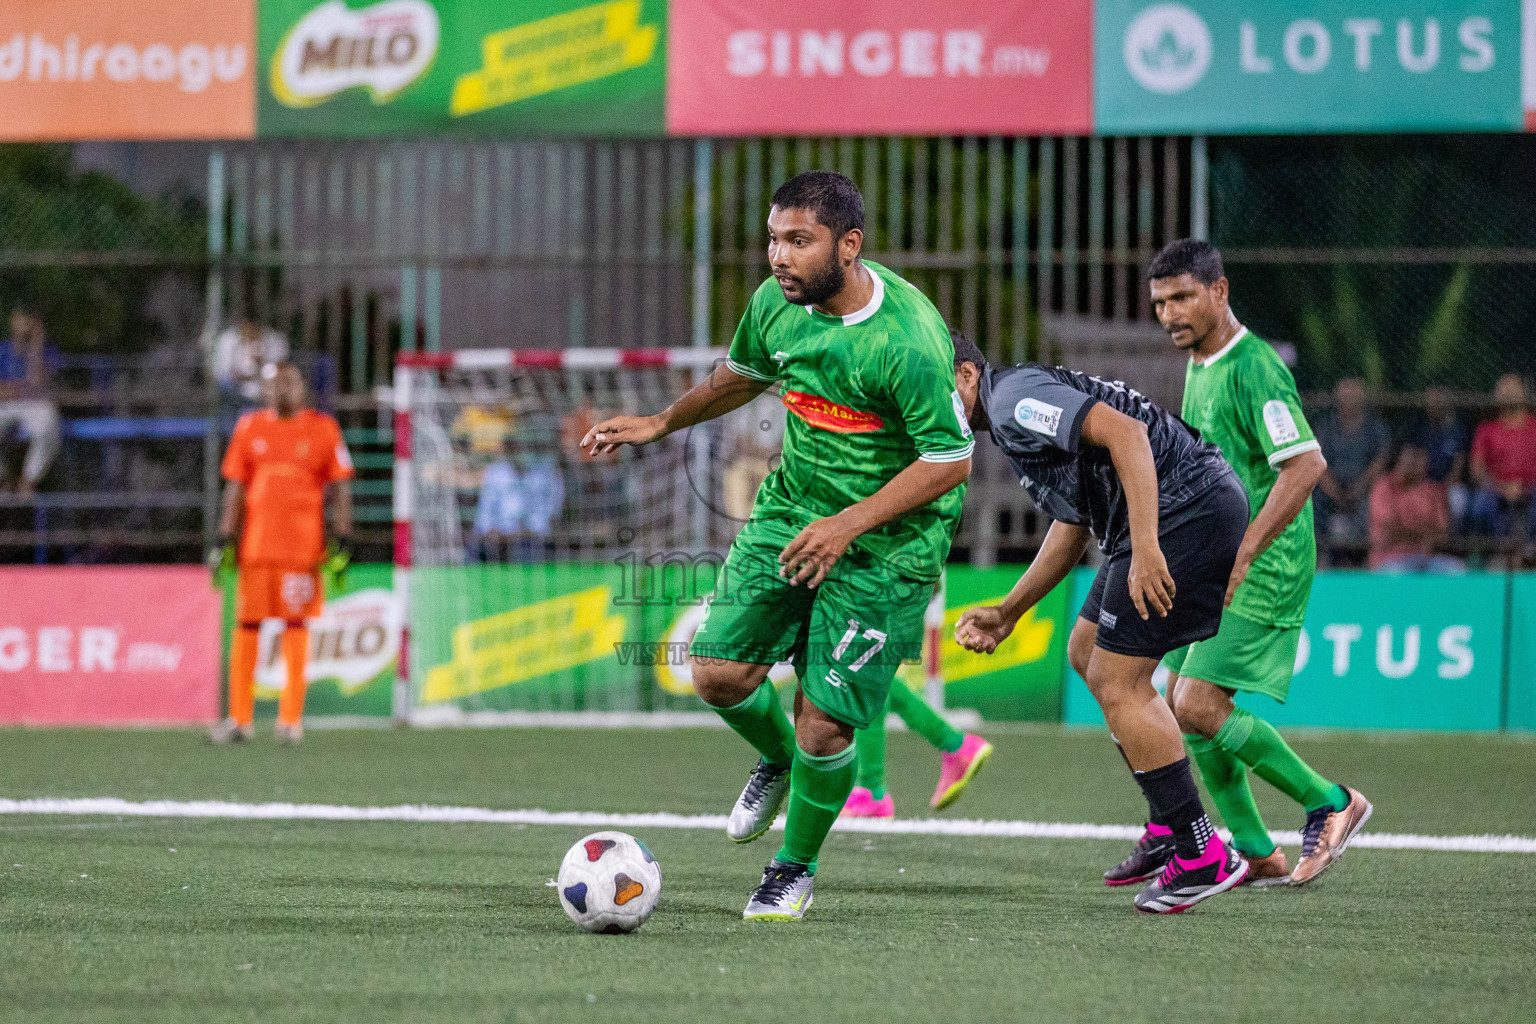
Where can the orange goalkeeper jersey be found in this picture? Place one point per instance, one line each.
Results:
(285, 465)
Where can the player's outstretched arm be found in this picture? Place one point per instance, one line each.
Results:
(721, 392)
(982, 629)
(1298, 476)
(1150, 582)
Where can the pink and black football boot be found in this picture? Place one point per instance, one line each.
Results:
(1184, 883)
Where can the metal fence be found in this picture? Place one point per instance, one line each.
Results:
(1407, 261)
(358, 250)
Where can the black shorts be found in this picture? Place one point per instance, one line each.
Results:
(1200, 551)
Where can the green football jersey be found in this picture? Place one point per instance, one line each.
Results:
(870, 393)
(1243, 400)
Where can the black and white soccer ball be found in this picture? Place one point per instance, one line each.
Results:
(609, 882)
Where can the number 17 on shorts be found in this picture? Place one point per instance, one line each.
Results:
(854, 649)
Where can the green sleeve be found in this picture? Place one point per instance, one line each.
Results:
(1272, 409)
(921, 381)
(748, 354)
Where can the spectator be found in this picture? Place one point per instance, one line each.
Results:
(238, 355)
(754, 438)
(1410, 518)
(1444, 440)
(1504, 463)
(521, 495)
(28, 361)
(1355, 443)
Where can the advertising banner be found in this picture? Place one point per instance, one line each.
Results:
(103, 645)
(851, 67)
(1380, 652)
(104, 69)
(1528, 64)
(567, 67)
(1520, 674)
(526, 637)
(354, 647)
(1020, 681)
(1306, 66)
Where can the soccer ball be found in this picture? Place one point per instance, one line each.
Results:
(609, 882)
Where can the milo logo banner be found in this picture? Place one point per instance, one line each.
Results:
(354, 647)
(348, 68)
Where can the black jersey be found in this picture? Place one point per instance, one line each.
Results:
(1036, 414)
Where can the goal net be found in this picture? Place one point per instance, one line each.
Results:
(535, 578)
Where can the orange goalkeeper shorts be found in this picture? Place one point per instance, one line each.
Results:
(268, 592)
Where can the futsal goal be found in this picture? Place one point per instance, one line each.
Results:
(536, 579)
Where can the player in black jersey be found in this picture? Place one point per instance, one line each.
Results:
(1169, 513)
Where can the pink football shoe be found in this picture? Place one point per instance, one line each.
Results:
(958, 769)
(862, 804)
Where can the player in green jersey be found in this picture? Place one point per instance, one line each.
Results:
(1242, 398)
(847, 536)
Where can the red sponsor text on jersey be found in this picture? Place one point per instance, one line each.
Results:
(829, 415)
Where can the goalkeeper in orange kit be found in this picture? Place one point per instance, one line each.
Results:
(280, 464)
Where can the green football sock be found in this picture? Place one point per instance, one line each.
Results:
(761, 721)
(923, 720)
(818, 789)
(1257, 744)
(871, 745)
(1227, 779)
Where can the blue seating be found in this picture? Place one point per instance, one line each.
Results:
(125, 428)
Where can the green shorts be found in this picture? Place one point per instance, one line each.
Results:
(846, 638)
(1243, 655)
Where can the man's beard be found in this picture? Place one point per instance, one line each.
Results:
(823, 283)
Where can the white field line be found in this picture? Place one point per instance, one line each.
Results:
(600, 819)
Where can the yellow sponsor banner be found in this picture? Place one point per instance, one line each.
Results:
(1029, 641)
(526, 643)
(555, 53)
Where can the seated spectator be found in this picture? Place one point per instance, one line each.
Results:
(1410, 518)
(1504, 464)
(521, 495)
(28, 361)
(1444, 440)
(1355, 443)
(237, 356)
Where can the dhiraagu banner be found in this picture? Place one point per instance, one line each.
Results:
(347, 68)
(1306, 66)
(1380, 652)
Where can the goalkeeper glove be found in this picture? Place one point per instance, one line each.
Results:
(222, 561)
(338, 557)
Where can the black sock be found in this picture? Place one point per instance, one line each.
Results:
(1170, 790)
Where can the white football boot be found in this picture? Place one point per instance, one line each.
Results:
(766, 790)
(783, 895)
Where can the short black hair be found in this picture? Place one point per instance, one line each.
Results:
(1188, 256)
(834, 200)
(966, 350)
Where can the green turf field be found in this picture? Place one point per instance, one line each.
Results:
(170, 919)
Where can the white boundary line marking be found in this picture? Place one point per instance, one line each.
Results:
(600, 819)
